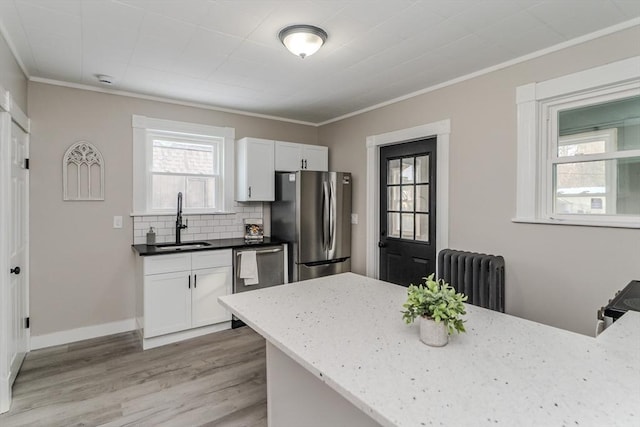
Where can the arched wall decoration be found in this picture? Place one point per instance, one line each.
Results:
(83, 172)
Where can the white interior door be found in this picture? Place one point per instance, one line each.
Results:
(18, 283)
(14, 234)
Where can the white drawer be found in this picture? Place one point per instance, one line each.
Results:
(210, 259)
(167, 263)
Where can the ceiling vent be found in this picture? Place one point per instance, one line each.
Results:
(104, 79)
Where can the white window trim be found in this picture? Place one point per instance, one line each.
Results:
(531, 188)
(141, 125)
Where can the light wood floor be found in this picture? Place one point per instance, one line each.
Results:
(215, 380)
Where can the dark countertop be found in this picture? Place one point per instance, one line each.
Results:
(146, 250)
(625, 300)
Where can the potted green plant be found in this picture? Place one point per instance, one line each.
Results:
(438, 307)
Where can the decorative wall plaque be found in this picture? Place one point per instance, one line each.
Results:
(83, 172)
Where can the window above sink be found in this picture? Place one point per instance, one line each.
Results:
(171, 157)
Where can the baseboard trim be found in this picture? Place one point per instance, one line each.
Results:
(148, 343)
(79, 334)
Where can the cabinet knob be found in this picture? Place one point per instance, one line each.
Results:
(301, 163)
(249, 191)
(16, 270)
(305, 163)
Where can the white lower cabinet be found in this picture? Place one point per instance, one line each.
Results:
(167, 303)
(179, 301)
(209, 284)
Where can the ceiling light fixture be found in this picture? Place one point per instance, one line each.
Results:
(303, 40)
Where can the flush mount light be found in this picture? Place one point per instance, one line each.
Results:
(303, 40)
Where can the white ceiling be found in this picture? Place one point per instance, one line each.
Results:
(226, 53)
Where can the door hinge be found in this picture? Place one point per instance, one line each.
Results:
(26, 163)
(27, 322)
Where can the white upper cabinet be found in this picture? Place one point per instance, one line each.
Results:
(255, 170)
(290, 156)
(316, 157)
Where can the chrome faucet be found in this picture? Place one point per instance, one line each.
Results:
(179, 225)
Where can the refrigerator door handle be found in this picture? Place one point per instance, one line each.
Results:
(326, 213)
(332, 215)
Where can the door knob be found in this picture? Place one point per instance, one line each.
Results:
(15, 270)
(382, 245)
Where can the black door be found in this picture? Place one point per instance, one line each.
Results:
(407, 211)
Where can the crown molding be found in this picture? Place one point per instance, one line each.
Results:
(166, 100)
(569, 43)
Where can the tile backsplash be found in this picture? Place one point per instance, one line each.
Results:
(201, 227)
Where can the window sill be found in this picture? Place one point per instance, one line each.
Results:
(200, 212)
(550, 221)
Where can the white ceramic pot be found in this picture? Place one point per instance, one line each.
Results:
(432, 333)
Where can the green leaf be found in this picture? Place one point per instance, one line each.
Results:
(435, 299)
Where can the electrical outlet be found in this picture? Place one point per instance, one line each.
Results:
(117, 221)
(354, 218)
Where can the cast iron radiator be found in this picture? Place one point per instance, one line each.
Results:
(479, 276)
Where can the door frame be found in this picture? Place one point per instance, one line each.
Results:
(9, 112)
(441, 130)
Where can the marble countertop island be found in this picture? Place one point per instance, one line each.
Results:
(347, 331)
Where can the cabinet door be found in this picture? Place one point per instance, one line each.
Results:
(209, 284)
(255, 170)
(288, 156)
(316, 158)
(167, 303)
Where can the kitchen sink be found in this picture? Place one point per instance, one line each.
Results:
(181, 246)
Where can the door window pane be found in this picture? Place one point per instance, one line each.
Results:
(422, 227)
(393, 224)
(393, 198)
(393, 172)
(407, 170)
(422, 198)
(422, 169)
(407, 198)
(407, 226)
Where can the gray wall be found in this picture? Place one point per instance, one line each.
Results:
(11, 76)
(558, 275)
(82, 269)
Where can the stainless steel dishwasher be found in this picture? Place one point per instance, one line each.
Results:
(271, 263)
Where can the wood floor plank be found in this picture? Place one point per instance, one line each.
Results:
(218, 379)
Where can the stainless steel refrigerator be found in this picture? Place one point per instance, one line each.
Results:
(312, 211)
